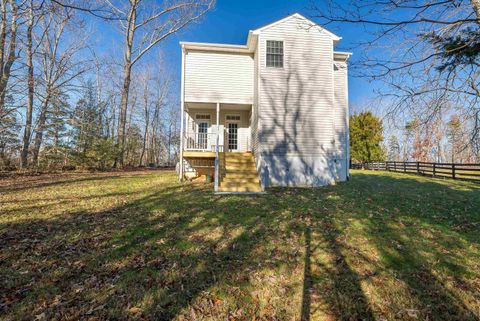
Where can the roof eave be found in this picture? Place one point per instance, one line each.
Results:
(334, 37)
(214, 47)
(342, 55)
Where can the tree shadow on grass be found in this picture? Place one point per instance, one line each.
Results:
(430, 297)
(151, 257)
(180, 252)
(331, 288)
(425, 234)
(369, 254)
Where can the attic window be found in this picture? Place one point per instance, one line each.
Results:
(274, 53)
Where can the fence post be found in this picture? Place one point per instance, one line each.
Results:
(395, 166)
(404, 167)
(418, 168)
(453, 170)
(434, 169)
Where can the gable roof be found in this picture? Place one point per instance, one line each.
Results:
(249, 47)
(297, 15)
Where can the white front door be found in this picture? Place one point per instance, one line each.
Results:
(202, 134)
(232, 137)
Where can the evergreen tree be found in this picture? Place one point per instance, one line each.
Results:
(410, 131)
(454, 135)
(393, 148)
(366, 136)
(55, 151)
(90, 148)
(9, 127)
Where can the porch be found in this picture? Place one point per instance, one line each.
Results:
(210, 132)
(204, 126)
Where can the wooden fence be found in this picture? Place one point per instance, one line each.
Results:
(447, 170)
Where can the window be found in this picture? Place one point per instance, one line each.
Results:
(233, 117)
(274, 53)
(202, 116)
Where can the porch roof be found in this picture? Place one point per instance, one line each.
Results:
(212, 106)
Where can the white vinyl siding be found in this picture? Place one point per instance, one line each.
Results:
(340, 120)
(340, 108)
(218, 77)
(255, 108)
(297, 126)
(295, 102)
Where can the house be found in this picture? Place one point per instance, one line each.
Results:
(273, 112)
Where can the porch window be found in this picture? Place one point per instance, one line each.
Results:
(202, 116)
(233, 117)
(275, 53)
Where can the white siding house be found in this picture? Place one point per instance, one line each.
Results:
(278, 104)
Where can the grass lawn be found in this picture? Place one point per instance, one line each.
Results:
(139, 245)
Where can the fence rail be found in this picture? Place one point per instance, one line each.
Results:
(447, 170)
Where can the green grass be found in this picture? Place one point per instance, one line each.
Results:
(139, 245)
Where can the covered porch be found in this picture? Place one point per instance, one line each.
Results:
(208, 131)
(203, 123)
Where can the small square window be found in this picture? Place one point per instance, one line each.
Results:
(274, 53)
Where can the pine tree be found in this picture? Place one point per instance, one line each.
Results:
(90, 147)
(9, 127)
(366, 136)
(393, 148)
(454, 134)
(55, 151)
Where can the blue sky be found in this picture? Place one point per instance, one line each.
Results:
(231, 20)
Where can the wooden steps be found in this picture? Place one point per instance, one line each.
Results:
(239, 174)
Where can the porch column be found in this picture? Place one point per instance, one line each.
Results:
(218, 119)
(217, 159)
(182, 115)
(182, 136)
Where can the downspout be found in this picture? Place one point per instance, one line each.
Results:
(182, 116)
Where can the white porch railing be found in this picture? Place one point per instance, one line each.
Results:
(200, 141)
(207, 142)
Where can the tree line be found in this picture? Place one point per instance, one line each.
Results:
(66, 102)
(444, 141)
(423, 56)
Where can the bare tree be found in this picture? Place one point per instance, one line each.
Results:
(58, 61)
(172, 135)
(45, 59)
(146, 112)
(32, 12)
(8, 48)
(163, 89)
(425, 51)
(144, 25)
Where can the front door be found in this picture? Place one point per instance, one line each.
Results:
(232, 135)
(202, 139)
